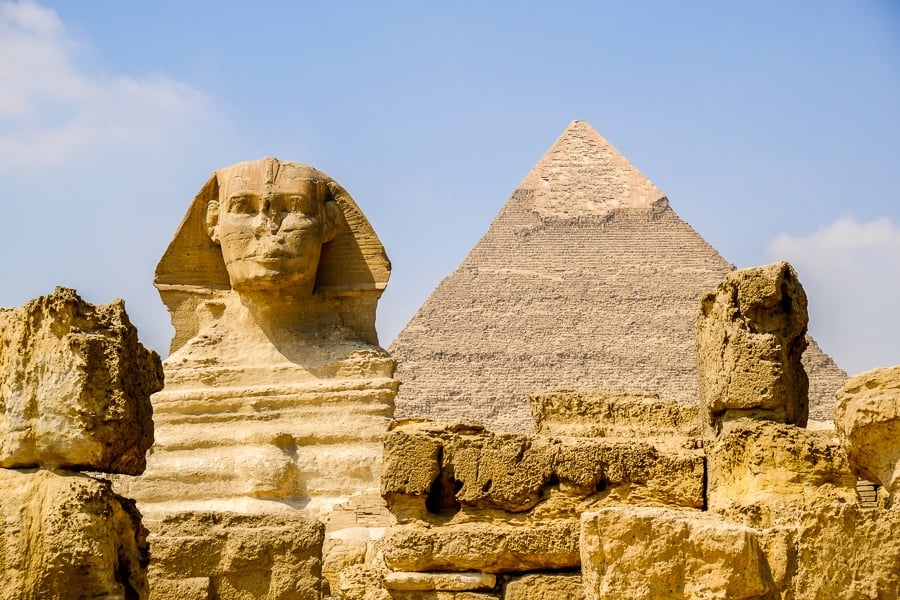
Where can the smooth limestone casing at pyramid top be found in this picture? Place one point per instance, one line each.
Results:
(586, 279)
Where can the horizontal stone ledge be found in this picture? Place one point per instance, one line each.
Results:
(471, 581)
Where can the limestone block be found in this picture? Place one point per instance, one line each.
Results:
(646, 553)
(362, 582)
(411, 464)
(844, 551)
(672, 476)
(75, 386)
(595, 413)
(544, 586)
(867, 419)
(455, 582)
(759, 471)
(65, 535)
(515, 473)
(276, 557)
(440, 595)
(751, 334)
(506, 471)
(489, 546)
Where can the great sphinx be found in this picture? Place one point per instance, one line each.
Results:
(277, 394)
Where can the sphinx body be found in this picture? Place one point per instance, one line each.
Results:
(277, 395)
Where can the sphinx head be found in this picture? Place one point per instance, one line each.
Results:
(270, 220)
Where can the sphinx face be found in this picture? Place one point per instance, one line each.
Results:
(271, 233)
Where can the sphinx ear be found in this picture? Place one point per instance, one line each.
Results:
(332, 223)
(212, 221)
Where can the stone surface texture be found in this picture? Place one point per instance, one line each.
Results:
(234, 556)
(751, 334)
(867, 418)
(277, 395)
(544, 586)
(586, 279)
(75, 386)
(631, 553)
(760, 471)
(66, 535)
(594, 413)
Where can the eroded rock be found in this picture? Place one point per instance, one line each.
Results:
(544, 586)
(867, 418)
(65, 535)
(645, 553)
(277, 557)
(489, 547)
(751, 334)
(759, 471)
(595, 413)
(75, 386)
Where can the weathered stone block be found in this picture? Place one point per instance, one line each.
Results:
(844, 551)
(506, 471)
(515, 473)
(867, 419)
(544, 586)
(64, 535)
(489, 547)
(75, 386)
(449, 582)
(759, 471)
(595, 413)
(631, 553)
(277, 557)
(751, 334)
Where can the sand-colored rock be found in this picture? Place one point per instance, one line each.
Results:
(644, 553)
(75, 386)
(843, 551)
(490, 547)
(544, 586)
(759, 471)
(233, 556)
(867, 418)
(595, 413)
(453, 582)
(751, 334)
(67, 536)
(432, 468)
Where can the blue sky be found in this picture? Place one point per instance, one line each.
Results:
(772, 127)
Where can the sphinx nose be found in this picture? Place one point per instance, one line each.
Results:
(267, 222)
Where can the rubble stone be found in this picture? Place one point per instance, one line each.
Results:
(867, 418)
(751, 334)
(646, 553)
(75, 386)
(66, 535)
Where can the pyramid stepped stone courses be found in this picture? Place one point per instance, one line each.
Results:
(277, 395)
(586, 279)
(75, 387)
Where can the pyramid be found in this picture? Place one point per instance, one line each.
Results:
(586, 279)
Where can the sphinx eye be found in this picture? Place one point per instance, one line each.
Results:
(241, 205)
(300, 204)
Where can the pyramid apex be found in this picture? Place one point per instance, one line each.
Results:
(583, 174)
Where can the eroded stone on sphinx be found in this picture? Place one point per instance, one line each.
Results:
(751, 334)
(867, 419)
(75, 386)
(277, 393)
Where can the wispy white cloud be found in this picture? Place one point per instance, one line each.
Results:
(851, 272)
(51, 111)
